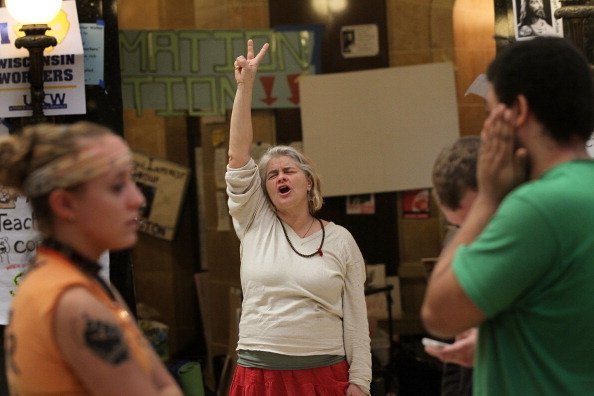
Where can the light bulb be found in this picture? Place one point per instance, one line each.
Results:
(336, 5)
(33, 11)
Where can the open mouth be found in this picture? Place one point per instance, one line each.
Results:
(284, 189)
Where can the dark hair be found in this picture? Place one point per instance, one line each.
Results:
(556, 80)
(454, 171)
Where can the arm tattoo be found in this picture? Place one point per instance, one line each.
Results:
(105, 340)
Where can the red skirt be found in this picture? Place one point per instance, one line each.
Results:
(323, 381)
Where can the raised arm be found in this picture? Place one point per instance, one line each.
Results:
(241, 133)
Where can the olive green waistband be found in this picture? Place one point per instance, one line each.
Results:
(275, 361)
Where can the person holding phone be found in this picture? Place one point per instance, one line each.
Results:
(455, 189)
(520, 266)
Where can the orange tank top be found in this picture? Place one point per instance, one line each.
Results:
(34, 363)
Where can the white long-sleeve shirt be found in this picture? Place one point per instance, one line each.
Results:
(294, 305)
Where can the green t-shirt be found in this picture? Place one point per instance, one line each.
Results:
(531, 272)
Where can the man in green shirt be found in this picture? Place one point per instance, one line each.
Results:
(521, 267)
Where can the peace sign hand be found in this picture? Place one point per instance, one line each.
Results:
(246, 68)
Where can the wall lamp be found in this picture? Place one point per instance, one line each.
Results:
(34, 16)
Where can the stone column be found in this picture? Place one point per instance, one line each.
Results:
(578, 24)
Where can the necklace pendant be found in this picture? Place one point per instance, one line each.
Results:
(318, 251)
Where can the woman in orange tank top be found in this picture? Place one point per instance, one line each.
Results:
(69, 332)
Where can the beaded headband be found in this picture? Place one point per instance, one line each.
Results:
(70, 170)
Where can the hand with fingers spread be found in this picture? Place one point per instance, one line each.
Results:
(501, 163)
(247, 66)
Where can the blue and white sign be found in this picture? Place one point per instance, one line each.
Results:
(93, 43)
(63, 72)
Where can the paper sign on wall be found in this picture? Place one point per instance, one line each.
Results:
(63, 73)
(163, 184)
(357, 41)
(93, 39)
(19, 239)
(18, 242)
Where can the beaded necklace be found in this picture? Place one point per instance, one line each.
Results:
(319, 249)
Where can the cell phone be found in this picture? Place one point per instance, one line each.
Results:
(433, 343)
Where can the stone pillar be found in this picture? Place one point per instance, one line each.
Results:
(578, 24)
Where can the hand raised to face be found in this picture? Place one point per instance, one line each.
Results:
(501, 164)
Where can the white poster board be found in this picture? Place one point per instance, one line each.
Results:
(378, 130)
(64, 76)
(18, 243)
(19, 239)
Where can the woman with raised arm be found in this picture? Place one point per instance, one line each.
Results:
(69, 332)
(303, 327)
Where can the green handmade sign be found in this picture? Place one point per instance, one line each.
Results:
(191, 72)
